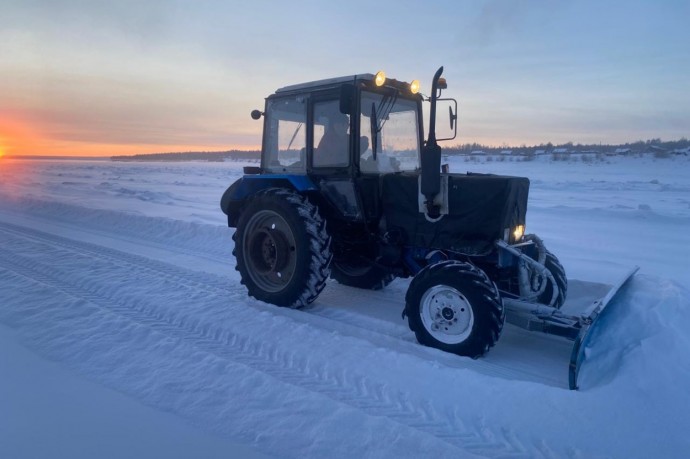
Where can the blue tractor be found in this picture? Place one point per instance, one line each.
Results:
(349, 188)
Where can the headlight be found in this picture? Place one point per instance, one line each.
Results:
(518, 232)
(380, 78)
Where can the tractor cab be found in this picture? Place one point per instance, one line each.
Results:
(350, 125)
(341, 135)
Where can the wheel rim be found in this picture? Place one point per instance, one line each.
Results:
(269, 247)
(446, 314)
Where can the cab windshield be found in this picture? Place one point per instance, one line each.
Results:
(392, 123)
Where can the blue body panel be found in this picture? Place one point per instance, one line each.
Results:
(250, 184)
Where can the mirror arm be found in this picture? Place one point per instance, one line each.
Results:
(374, 131)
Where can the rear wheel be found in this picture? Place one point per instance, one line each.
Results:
(282, 248)
(360, 275)
(454, 306)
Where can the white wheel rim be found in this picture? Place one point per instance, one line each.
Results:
(446, 314)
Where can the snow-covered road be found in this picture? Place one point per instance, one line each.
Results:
(123, 275)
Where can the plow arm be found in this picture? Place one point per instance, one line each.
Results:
(589, 322)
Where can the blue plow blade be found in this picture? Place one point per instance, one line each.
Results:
(592, 316)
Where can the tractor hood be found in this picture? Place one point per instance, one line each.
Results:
(480, 209)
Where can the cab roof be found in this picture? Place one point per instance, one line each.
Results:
(328, 82)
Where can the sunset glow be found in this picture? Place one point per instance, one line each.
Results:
(17, 139)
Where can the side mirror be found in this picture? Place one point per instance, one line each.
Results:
(347, 97)
(442, 132)
(256, 114)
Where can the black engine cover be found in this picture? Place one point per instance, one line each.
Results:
(480, 207)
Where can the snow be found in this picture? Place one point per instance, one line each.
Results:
(124, 330)
(49, 411)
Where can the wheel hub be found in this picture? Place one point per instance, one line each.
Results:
(446, 314)
(270, 250)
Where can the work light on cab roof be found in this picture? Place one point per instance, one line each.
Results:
(414, 86)
(380, 80)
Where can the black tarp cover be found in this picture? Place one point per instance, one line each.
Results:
(480, 208)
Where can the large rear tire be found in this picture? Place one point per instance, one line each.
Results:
(362, 276)
(282, 248)
(455, 307)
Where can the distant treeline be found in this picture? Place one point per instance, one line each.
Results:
(192, 156)
(640, 146)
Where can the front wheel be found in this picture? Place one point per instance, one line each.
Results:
(454, 306)
(282, 248)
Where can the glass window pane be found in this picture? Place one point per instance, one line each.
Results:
(397, 134)
(331, 135)
(286, 136)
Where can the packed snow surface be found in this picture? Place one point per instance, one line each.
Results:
(125, 332)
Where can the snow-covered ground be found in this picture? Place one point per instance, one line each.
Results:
(124, 331)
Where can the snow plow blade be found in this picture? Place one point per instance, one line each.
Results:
(590, 319)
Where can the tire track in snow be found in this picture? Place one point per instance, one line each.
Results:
(284, 364)
(203, 281)
(354, 390)
(377, 331)
(96, 222)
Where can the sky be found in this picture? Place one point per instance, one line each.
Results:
(103, 78)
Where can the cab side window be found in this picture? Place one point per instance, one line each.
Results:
(285, 141)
